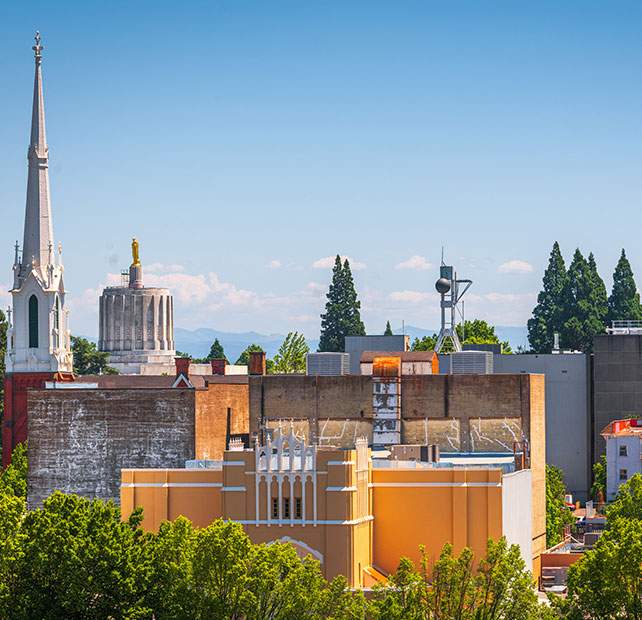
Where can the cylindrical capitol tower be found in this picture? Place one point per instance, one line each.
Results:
(136, 325)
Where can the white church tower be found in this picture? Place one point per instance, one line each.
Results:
(38, 338)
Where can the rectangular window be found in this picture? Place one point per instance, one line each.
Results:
(286, 507)
(298, 508)
(275, 507)
(623, 451)
(623, 475)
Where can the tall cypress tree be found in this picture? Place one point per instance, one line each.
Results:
(624, 302)
(388, 331)
(584, 309)
(342, 315)
(354, 325)
(599, 296)
(548, 313)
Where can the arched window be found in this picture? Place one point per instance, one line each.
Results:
(33, 322)
(57, 313)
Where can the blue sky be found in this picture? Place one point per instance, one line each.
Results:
(244, 142)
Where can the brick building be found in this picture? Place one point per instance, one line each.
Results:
(82, 433)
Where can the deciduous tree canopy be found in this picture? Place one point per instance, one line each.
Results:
(88, 360)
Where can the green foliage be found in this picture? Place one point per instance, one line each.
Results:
(480, 332)
(79, 560)
(244, 358)
(549, 312)
(216, 351)
(388, 331)
(12, 512)
(500, 588)
(290, 358)
(585, 304)
(88, 360)
(170, 592)
(469, 332)
(427, 343)
(75, 558)
(624, 302)
(606, 584)
(557, 515)
(216, 572)
(599, 479)
(342, 315)
(13, 480)
(628, 503)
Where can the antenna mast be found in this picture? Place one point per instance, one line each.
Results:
(451, 290)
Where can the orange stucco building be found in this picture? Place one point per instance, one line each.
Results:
(356, 518)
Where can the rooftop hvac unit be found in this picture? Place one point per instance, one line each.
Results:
(471, 363)
(327, 364)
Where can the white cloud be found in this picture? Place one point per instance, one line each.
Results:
(415, 262)
(515, 266)
(274, 264)
(328, 262)
(206, 300)
(304, 318)
(162, 268)
(413, 297)
(501, 308)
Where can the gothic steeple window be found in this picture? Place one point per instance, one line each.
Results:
(33, 322)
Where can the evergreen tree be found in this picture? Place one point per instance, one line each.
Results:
(354, 324)
(216, 352)
(342, 310)
(244, 358)
(548, 313)
(624, 302)
(388, 331)
(599, 294)
(584, 308)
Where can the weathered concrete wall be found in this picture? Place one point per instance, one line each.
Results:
(617, 383)
(329, 406)
(568, 422)
(80, 439)
(212, 405)
(457, 412)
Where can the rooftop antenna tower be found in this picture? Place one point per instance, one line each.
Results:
(451, 290)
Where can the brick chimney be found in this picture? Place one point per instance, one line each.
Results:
(257, 365)
(218, 366)
(182, 366)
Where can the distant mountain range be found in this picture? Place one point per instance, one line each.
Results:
(198, 342)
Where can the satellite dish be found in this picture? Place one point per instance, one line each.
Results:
(442, 285)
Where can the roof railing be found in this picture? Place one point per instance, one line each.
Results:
(625, 327)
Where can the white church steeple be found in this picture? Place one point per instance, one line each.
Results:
(38, 337)
(38, 232)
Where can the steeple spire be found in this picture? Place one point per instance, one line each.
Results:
(38, 234)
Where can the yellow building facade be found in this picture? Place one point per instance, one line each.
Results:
(356, 519)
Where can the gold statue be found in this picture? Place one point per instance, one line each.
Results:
(135, 256)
